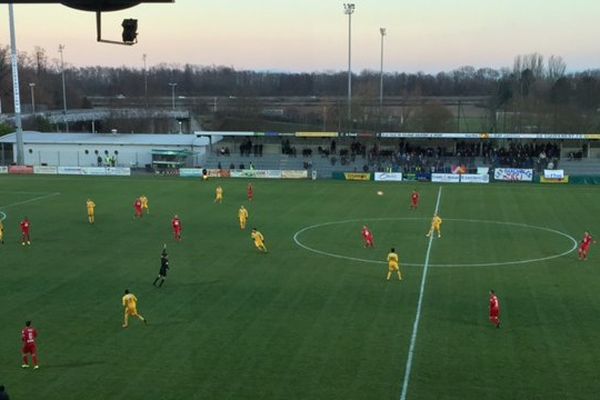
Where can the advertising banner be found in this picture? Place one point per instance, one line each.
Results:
(475, 178)
(483, 170)
(3, 170)
(97, 171)
(388, 176)
(70, 171)
(44, 170)
(20, 169)
(409, 177)
(191, 172)
(294, 174)
(564, 179)
(445, 178)
(118, 171)
(554, 173)
(357, 176)
(256, 173)
(513, 174)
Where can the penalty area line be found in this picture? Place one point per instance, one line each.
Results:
(18, 203)
(415, 331)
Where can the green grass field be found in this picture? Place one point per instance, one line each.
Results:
(231, 323)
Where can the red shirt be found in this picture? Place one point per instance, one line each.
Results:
(28, 335)
(25, 226)
(494, 303)
(587, 239)
(367, 234)
(138, 204)
(415, 197)
(176, 223)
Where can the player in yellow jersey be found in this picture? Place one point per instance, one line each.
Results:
(130, 305)
(91, 207)
(436, 226)
(243, 215)
(259, 240)
(219, 195)
(1, 232)
(393, 264)
(144, 201)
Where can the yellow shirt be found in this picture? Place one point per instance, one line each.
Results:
(1, 228)
(258, 237)
(392, 258)
(90, 205)
(144, 201)
(243, 213)
(130, 301)
(219, 191)
(436, 221)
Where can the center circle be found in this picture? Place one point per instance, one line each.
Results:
(571, 239)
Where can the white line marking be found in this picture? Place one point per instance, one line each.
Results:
(31, 200)
(413, 338)
(491, 264)
(2, 216)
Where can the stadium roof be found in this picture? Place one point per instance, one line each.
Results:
(130, 139)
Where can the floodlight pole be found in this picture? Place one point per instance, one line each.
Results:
(349, 10)
(145, 81)
(16, 92)
(32, 87)
(383, 32)
(173, 85)
(61, 48)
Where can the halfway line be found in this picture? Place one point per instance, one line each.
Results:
(413, 338)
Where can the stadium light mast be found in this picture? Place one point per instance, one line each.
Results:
(382, 31)
(16, 92)
(145, 81)
(349, 10)
(32, 88)
(173, 85)
(61, 48)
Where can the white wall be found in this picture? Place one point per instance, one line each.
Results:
(75, 154)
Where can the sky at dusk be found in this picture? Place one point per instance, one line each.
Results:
(312, 35)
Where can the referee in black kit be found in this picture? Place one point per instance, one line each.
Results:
(164, 267)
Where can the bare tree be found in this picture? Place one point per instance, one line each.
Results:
(556, 68)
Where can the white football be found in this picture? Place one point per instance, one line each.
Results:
(380, 193)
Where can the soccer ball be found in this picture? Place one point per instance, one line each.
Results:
(380, 193)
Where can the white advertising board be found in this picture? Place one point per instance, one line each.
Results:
(445, 178)
(388, 176)
(513, 174)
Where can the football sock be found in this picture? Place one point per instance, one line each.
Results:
(25, 361)
(399, 276)
(161, 283)
(154, 283)
(35, 360)
(389, 275)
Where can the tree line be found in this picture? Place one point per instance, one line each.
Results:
(535, 94)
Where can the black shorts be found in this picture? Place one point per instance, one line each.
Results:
(163, 272)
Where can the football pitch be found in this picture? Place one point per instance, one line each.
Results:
(314, 318)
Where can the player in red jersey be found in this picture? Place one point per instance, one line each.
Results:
(584, 248)
(138, 208)
(176, 224)
(367, 236)
(414, 200)
(494, 309)
(28, 336)
(250, 192)
(25, 227)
